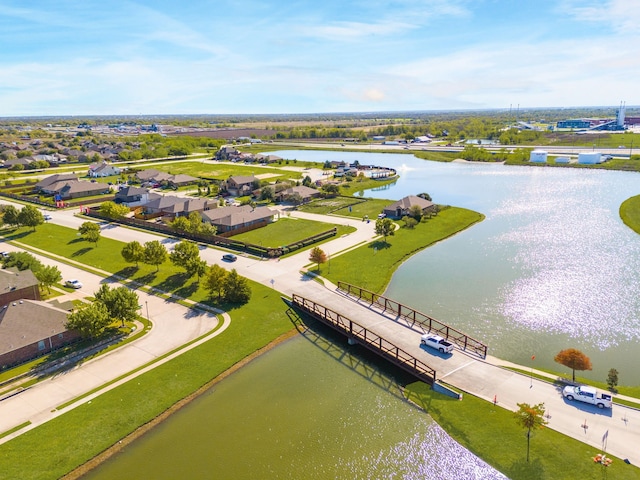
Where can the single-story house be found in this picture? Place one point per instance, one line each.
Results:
(240, 219)
(306, 193)
(30, 328)
(172, 206)
(80, 189)
(240, 185)
(401, 208)
(24, 161)
(181, 180)
(17, 285)
(103, 169)
(133, 196)
(47, 183)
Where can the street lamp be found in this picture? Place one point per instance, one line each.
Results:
(146, 303)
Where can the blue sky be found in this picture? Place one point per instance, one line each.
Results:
(115, 57)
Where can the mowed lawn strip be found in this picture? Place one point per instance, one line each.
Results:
(62, 444)
(372, 265)
(491, 433)
(286, 231)
(222, 171)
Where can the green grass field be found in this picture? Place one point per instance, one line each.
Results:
(222, 171)
(492, 433)
(371, 266)
(288, 230)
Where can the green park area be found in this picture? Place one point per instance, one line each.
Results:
(371, 266)
(222, 171)
(492, 433)
(288, 230)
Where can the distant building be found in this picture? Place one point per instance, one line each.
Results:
(538, 156)
(590, 158)
(576, 123)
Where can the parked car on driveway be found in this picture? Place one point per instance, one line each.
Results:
(73, 284)
(229, 257)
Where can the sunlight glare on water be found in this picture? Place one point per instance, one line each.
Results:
(564, 287)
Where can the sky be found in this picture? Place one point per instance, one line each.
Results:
(112, 57)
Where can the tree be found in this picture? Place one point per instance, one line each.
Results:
(415, 212)
(236, 288)
(185, 255)
(331, 189)
(612, 379)
(10, 215)
(48, 275)
(317, 256)
(90, 232)
(180, 224)
(384, 227)
(306, 181)
(121, 302)
(30, 216)
(530, 417)
(90, 320)
(409, 222)
(214, 280)
(154, 253)
(113, 210)
(266, 194)
(133, 252)
(573, 359)
(22, 261)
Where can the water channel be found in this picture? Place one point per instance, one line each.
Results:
(333, 415)
(552, 266)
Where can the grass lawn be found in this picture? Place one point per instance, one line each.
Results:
(371, 207)
(360, 185)
(371, 266)
(222, 171)
(492, 434)
(55, 448)
(288, 230)
(630, 213)
(325, 206)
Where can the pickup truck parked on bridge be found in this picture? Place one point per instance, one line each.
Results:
(437, 342)
(587, 395)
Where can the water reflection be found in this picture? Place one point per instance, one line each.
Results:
(551, 267)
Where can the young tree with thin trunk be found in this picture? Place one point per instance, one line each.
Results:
(214, 281)
(530, 417)
(317, 256)
(384, 227)
(573, 359)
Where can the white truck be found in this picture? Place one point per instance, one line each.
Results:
(587, 395)
(437, 342)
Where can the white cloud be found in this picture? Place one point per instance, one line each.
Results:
(620, 15)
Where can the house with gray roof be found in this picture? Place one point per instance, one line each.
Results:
(171, 206)
(46, 183)
(239, 185)
(16, 285)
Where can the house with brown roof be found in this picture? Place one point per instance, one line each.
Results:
(16, 285)
(80, 189)
(29, 329)
(238, 219)
(171, 206)
(239, 185)
(181, 180)
(305, 193)
(401, 208)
